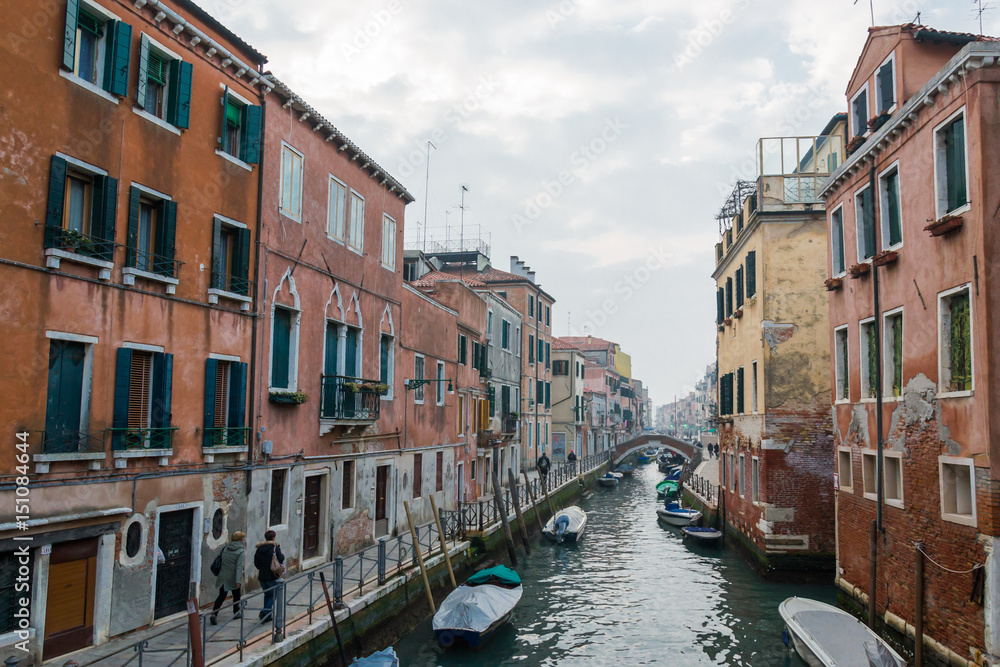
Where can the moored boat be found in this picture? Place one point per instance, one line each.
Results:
(667, 488)
(625, 469)
(610, 479)
(566, 525)
(702, 535)
(825, 636)
(384, 658)
(473, 611)
(676, 515)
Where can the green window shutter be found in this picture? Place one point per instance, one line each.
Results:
(250, 138)
(117, 57)
(539, 391)
(751, 273)
(218, 280)
(729, 297)
(961, 360)
(548, 354)
(237, 395)
(548, 394)
(163, 262)
(179, 104)
(57, 194)
(887, 96)
(955, 164)
(223, 135)
(123, 373)
(211, 370)
(106, 219)
(739, 288)
(383, 359)
(868, 221)
(892, 193)
(132, 240)
(242, 282)
(69, 36)
(720, 305)
(163, 366)
(140, 90)
(280, 340)
(463, 345)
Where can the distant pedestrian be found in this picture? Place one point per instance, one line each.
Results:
(267, 551)
(543, 464)
(230, 575)
(571, 459)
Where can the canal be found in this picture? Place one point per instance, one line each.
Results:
(630, 593)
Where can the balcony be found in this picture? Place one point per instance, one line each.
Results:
(69, 446)
(225, 440)
(350, 401)
(132, 443)
(509, 423)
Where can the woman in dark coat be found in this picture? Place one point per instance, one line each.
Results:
(267, 578)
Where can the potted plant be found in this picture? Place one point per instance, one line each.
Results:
(885, 258)
(833, 284)
(859, 270)
(878, 121)
(946, 224)
(287, 397)
(738, 313)
(72, 240)
(855, 143)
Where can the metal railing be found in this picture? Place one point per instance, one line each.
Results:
(226, 436)
(145, 260)
(71, 240)
(143, 438)
(73, 442)
(233, 284)
(350, 398)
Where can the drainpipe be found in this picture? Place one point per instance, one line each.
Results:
(877, 326)
(251, 388)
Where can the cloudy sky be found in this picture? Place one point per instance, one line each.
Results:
(597, 138)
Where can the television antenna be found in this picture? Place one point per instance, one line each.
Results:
(871, 7)
(981, 7)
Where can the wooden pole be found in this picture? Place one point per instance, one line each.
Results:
(534, 503)
(498, 501)
(333, 618)
(918, 622)
(872, 555)
(545, 490)
(444, 549)
(194, 632)
(420, 556)
(517, 511)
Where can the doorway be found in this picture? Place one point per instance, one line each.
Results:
(69, 615)
(381, 504)
(311, 517)
(173, 576)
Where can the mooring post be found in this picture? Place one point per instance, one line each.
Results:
(534, 503)
(918, 617)
(498, 501)
(333, 618)
(444, 546)
(517, 510)
(420, 556)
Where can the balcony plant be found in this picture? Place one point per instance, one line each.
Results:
(859, 270)
(945, 225)
(376, 387)
(878, 121)
(288, 397)
(738, 313)
(854, 144)
(72, 240)
(885, 258)
(833, 284)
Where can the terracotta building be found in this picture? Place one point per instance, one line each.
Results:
(911, 267)
(123, 300)
(775, 429)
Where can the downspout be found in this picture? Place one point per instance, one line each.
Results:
(251, 389)
(877, 326)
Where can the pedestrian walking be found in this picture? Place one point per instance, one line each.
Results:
(230, 575)
(270, 564)
(543, 464)
(571, 458)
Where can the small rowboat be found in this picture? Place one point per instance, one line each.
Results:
(701, 535)
(610, 479)
(625, 469)
(473, 611)
(566, 525)
(667, 488)
(676, 515)
(643, 459)
(825, 636)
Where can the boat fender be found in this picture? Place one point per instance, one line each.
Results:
(446, 638)
(784, 637)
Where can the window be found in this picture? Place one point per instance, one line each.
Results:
(347, 486)
(418, 475)
(531, 306)
(859, 112)
(96, 48)
(356, 222)
(751, 273)
(837, 241)
(720, 306)
(753, 386)
(142, 400)
(463, 349)
(152, 222)
(225, 403)
(80, 216)
(218, 524)
(336, 209)
(755, 489)
(892, 467)
(739, 390)
(291, 182)
(133, 537)
(864, 207)
(388, 243)
(440, 383)
(386, 363)
(241, 138)
(505, 335)
(869, 359)
(955, 340)
(841, 361)
(560, 367)
(729, 297)
(844, 470)
(892, 353)
(461, 415)
(163, 87)
(439, 472)
(152, 91)
(531, 348)
(230, 256)
(885, 85)
(958, 485)
(548, 355)
(726, 394)
(950, 167)
(548, 316)
(540, 353)
(276, 513)
(472, 469)
(892, 225)
(284, 344)
(869, 475)
(418, 374)
(67, 405)
(739, 288)
(489, 321)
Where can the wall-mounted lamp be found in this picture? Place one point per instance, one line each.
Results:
(413, 384)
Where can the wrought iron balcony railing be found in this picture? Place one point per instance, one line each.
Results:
(73, 442)
(226, 436)
(151, 262)
(509, 422)
(143, 438)
(73, 241)
(234, 284)
(350, 398)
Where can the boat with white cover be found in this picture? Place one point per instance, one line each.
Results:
(676, 515)
(610, 479)
(825, 636)
(473, 611)
(566, 525)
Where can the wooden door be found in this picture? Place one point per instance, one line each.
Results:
(310, 519)
(173, 577)
(69, 606)
(381, 491)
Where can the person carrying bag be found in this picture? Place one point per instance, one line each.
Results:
(270, 564)
(230, 576)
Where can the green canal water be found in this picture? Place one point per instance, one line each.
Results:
(630, 593)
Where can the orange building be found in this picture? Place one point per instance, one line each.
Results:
(128, 213)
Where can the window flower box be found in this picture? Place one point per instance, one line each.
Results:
(376, 387)
(878, 121)
(859, 270)
(885, 258)
(738, 313)
(722, 327)
(728, 321)
(287, 397)
(833, 284)
(854, 144)
(945, 225)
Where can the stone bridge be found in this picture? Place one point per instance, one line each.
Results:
(620, 452)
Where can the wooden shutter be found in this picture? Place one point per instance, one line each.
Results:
(250, 137)
(237, 395)
(140, 377)
(163, 260)
(383, 359)
(418, 474)
(242, 258)
(132, 239)
(179, 105)
(122, 386)
(57, 194)
(221, 393)
(739, 288)
(117, 57)
(218, 280)
(887, 96)
(211, 370)
(955, 164)
(223, 134)
(69, 36)
(162, 379)
(280, 347)
(439, 471)
(103, 216)
(720, 305)
(140, 91)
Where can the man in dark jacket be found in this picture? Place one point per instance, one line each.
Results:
(267, 578)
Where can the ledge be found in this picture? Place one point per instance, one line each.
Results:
(42, 461)
(53, 256)
(214, 294)
(123, 455)
(235, 160)
(211, 452)
(156, 121)
(97, 90)
(129, 275)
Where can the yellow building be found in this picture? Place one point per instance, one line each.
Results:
(775, 427)
(623, 363)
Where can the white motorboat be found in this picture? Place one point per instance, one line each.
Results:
(825, 636)
(676, 515)
(566, 525)
(610, 479)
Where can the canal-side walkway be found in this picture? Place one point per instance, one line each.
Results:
(355, 582)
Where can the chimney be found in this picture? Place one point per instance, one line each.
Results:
(531, 276)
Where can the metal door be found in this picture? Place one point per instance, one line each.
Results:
(310, 520)
(381, 491)
(173, 576)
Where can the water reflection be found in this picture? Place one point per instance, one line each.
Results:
(631, 592)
